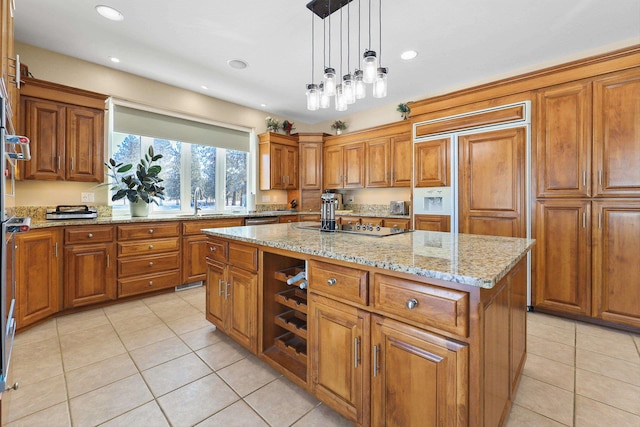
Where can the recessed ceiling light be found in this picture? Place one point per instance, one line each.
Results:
(409, 54)
(204, 87)
(109, 12)
(114, 59)
(238, 64)
(263, 105)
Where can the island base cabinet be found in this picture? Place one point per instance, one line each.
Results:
(418, 378)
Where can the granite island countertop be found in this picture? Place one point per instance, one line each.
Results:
(461, 258)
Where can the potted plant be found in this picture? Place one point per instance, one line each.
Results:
(287, 127)
(273, 125)
(141, 186)
(339, 126)
(405, 110)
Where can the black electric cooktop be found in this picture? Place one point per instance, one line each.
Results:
(361, 229)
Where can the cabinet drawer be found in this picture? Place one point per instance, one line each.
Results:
(82, 234)
(346, 283)
(243, 256)
(149, 247)
(149, 283)
(194, 227)
(442, 308)
(136, 266)
(396, 223)
(148, 230)
(217, 249)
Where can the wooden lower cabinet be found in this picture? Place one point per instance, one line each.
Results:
(232, 301)
(377, 371)
(433, 222)
(615, 262)
(38, 275)
(89, 265)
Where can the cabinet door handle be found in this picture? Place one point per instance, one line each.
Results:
(600, 220)
(56, 249)
(72, 163)
(584, 178)
(375, 360)
(226, 292)
(332, 281)
(356, 352)
(58, 162)
(584, 220)
(600, 177)
(108, 260)
(412, 303)
(219, 287)
(212, 248)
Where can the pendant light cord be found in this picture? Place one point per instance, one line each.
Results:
(380, 29)
(369, 25)
(349, 38)
(340, 45)
(312, 47)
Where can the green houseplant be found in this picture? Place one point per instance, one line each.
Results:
(404, 110)
(140, 186)
(339, 126)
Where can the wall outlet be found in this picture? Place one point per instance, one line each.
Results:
(87, 197)
(350, 198)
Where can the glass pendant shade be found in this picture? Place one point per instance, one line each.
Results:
(360, 88)
(370, 66)
(341, 101)
(380, 83)
(313, 97)
(325, 100)
(349, 89)
(330, 81)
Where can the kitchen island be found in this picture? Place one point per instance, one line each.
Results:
(414, 329)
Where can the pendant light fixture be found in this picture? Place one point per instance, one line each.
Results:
(348, 87)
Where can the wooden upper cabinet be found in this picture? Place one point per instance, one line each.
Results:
(66, 128)
(432, 163)
(310, 165)
(332, 167)
(401, 150)
(344, 166)
(492, 183)
(278, 162)
(563, 150)
(616, 244)
(616, 148)
(378, 162)
(563, 256)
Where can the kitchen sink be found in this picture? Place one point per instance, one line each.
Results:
(201, 215)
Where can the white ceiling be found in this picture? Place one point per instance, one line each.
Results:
(187, 43)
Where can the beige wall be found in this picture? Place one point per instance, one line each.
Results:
(62, 69)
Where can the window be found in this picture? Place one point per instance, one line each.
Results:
(220, 171)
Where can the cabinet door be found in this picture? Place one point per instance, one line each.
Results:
(563, 151)
(44, 122)
(432, 163)
(290, 168)
(354, 165)
(563, 256)
(616, 150)
(615, 262)
(310, 166)
(492, 183)
(194, 251)
(333, 167)
(89, 274)
(401, 147)
(242, 307)
(415, 377)
(378, 169)
(433, 222)
(38, 269)
(216, 292)
(339, 347)
(277, 162)
(84, 144)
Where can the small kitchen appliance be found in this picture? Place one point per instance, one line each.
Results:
(328, 212)
(72, 212)
(398, 207)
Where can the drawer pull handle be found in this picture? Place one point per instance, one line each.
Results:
(150, 282)
(412, 303)
(90, 235)
(332, 281)
(151, 264)
(150, 246)
(212, 248)
(151, 231)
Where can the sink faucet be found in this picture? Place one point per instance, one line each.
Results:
(197, 193)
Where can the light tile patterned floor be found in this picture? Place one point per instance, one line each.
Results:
(158, 362)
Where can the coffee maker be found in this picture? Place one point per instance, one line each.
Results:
(328, 212)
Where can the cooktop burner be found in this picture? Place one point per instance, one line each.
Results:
(362, 229)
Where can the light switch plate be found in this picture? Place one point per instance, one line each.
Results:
(87, 197)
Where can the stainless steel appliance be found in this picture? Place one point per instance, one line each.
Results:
(328, 212)
(12, 149)
(72, 212)
(361, 229)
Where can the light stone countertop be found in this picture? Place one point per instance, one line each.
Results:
(461, 258)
